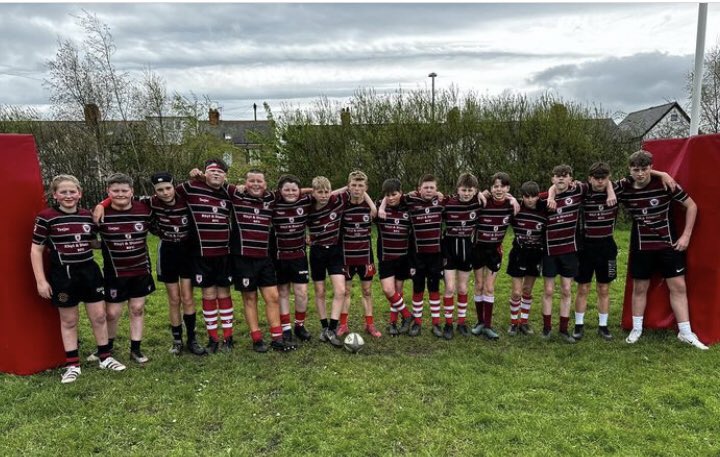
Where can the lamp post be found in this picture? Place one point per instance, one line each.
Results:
(432, 76)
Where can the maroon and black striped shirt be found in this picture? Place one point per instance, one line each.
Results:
(290, 222)
(393, 239)
(460, 217)
(598, 218)
(650, 207)
(124, 240)
(493, 221)
(356, 230)
(324, 223)
(426, 217)
(562, 228)
(67, 235)
(529, 226)
(171, 222)
(253, 218)
(209, 217)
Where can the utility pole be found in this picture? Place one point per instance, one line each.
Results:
(432, 76)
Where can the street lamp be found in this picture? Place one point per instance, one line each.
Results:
(432, 76)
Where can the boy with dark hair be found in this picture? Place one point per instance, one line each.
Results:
(70, 234)
(493, 221)
(355, 229)
(526, 256)
(289, 219)
(393, 243)
(598, 253)
(171, 223)
(126, 260)
(460, 217)
(654, 245)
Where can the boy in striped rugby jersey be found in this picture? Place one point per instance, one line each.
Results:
(70, 234)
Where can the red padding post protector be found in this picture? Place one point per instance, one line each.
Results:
(29, 325)
(694, 162)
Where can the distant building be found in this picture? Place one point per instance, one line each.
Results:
(664, 121)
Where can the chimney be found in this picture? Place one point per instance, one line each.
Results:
(92, 114)
(214, 116)
(345, 116)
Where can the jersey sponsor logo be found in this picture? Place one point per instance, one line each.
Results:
(357, 225)
(654, 202)
(406, 215)
(644, 211)
(495, 228)
(538, 226)
(184, 220)
(427, 210)
(397, 221)
(559, 210)
(366, 218)
(128, 236)
(256, 211)
(176, 229)
(600, 207)
(139, 227)
(214, 210)
(333, 216)
(292, 220)
(529, 232)
(569, 201)
(86, 228)
(300, 211)
(473, 215)
(78, 237)
(435, 202)
(462, 223)
(223, 203)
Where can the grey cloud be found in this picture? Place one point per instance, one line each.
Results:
(635, 81)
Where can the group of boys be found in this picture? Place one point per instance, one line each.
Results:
(214, 234)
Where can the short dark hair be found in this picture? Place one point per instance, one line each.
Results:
(426, 178)
(599, 170)
(562, 170)
(467, 180)
(284, 179)
(391, 185)
(529, 189)
(220, 163)
(502, 176)
(119, 178)
(640, 158)
(255, 171)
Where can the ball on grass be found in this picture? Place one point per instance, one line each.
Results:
(354, 342)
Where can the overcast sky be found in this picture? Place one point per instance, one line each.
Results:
(623, 57)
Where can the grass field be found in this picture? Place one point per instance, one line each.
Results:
(422, 396)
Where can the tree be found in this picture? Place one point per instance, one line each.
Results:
(710, 93)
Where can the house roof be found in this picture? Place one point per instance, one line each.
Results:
(638, 123)
(238, 132)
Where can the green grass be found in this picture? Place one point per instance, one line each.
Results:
(423, 396)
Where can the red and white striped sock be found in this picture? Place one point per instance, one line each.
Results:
(402, 309)
(285, 322)
(299, 318)
(276, 333)
(210, 315)
(525, 304)
(514, 311)
(394, 301)
(226, 316)
(435, 307)
(256, 335)
(418, 307)
(449, 306)
(462, 308)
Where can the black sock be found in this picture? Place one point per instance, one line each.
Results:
(176, 332)
(72, 358)
(324, 323)
(134, 346)
(103, 351)
(189, 320)
(111, 343)
(333, 324)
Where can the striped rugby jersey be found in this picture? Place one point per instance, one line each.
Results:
(290, 222)
(324, 223)
(460, 217)
(529, 226)
(356, 230)
(124, 240)
(598, 219)
(209, 217)
(561, 236)
(493, 221)
(253, 219)
(426, 217)
(67, 235)
(393, 239)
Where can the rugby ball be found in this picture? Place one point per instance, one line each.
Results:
(354, 342)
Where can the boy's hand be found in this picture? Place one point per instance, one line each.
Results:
(44, 289)
(682, 243)
(482, 199)
(551, 204)
(440, 196)
(382, 214)
(98, 214)
(668, 182)
(514, 203)
(197, 174)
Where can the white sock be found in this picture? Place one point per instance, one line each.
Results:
(602, 320)
(479, 298)
(637, 323)
(684, 328)
(579, 318)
